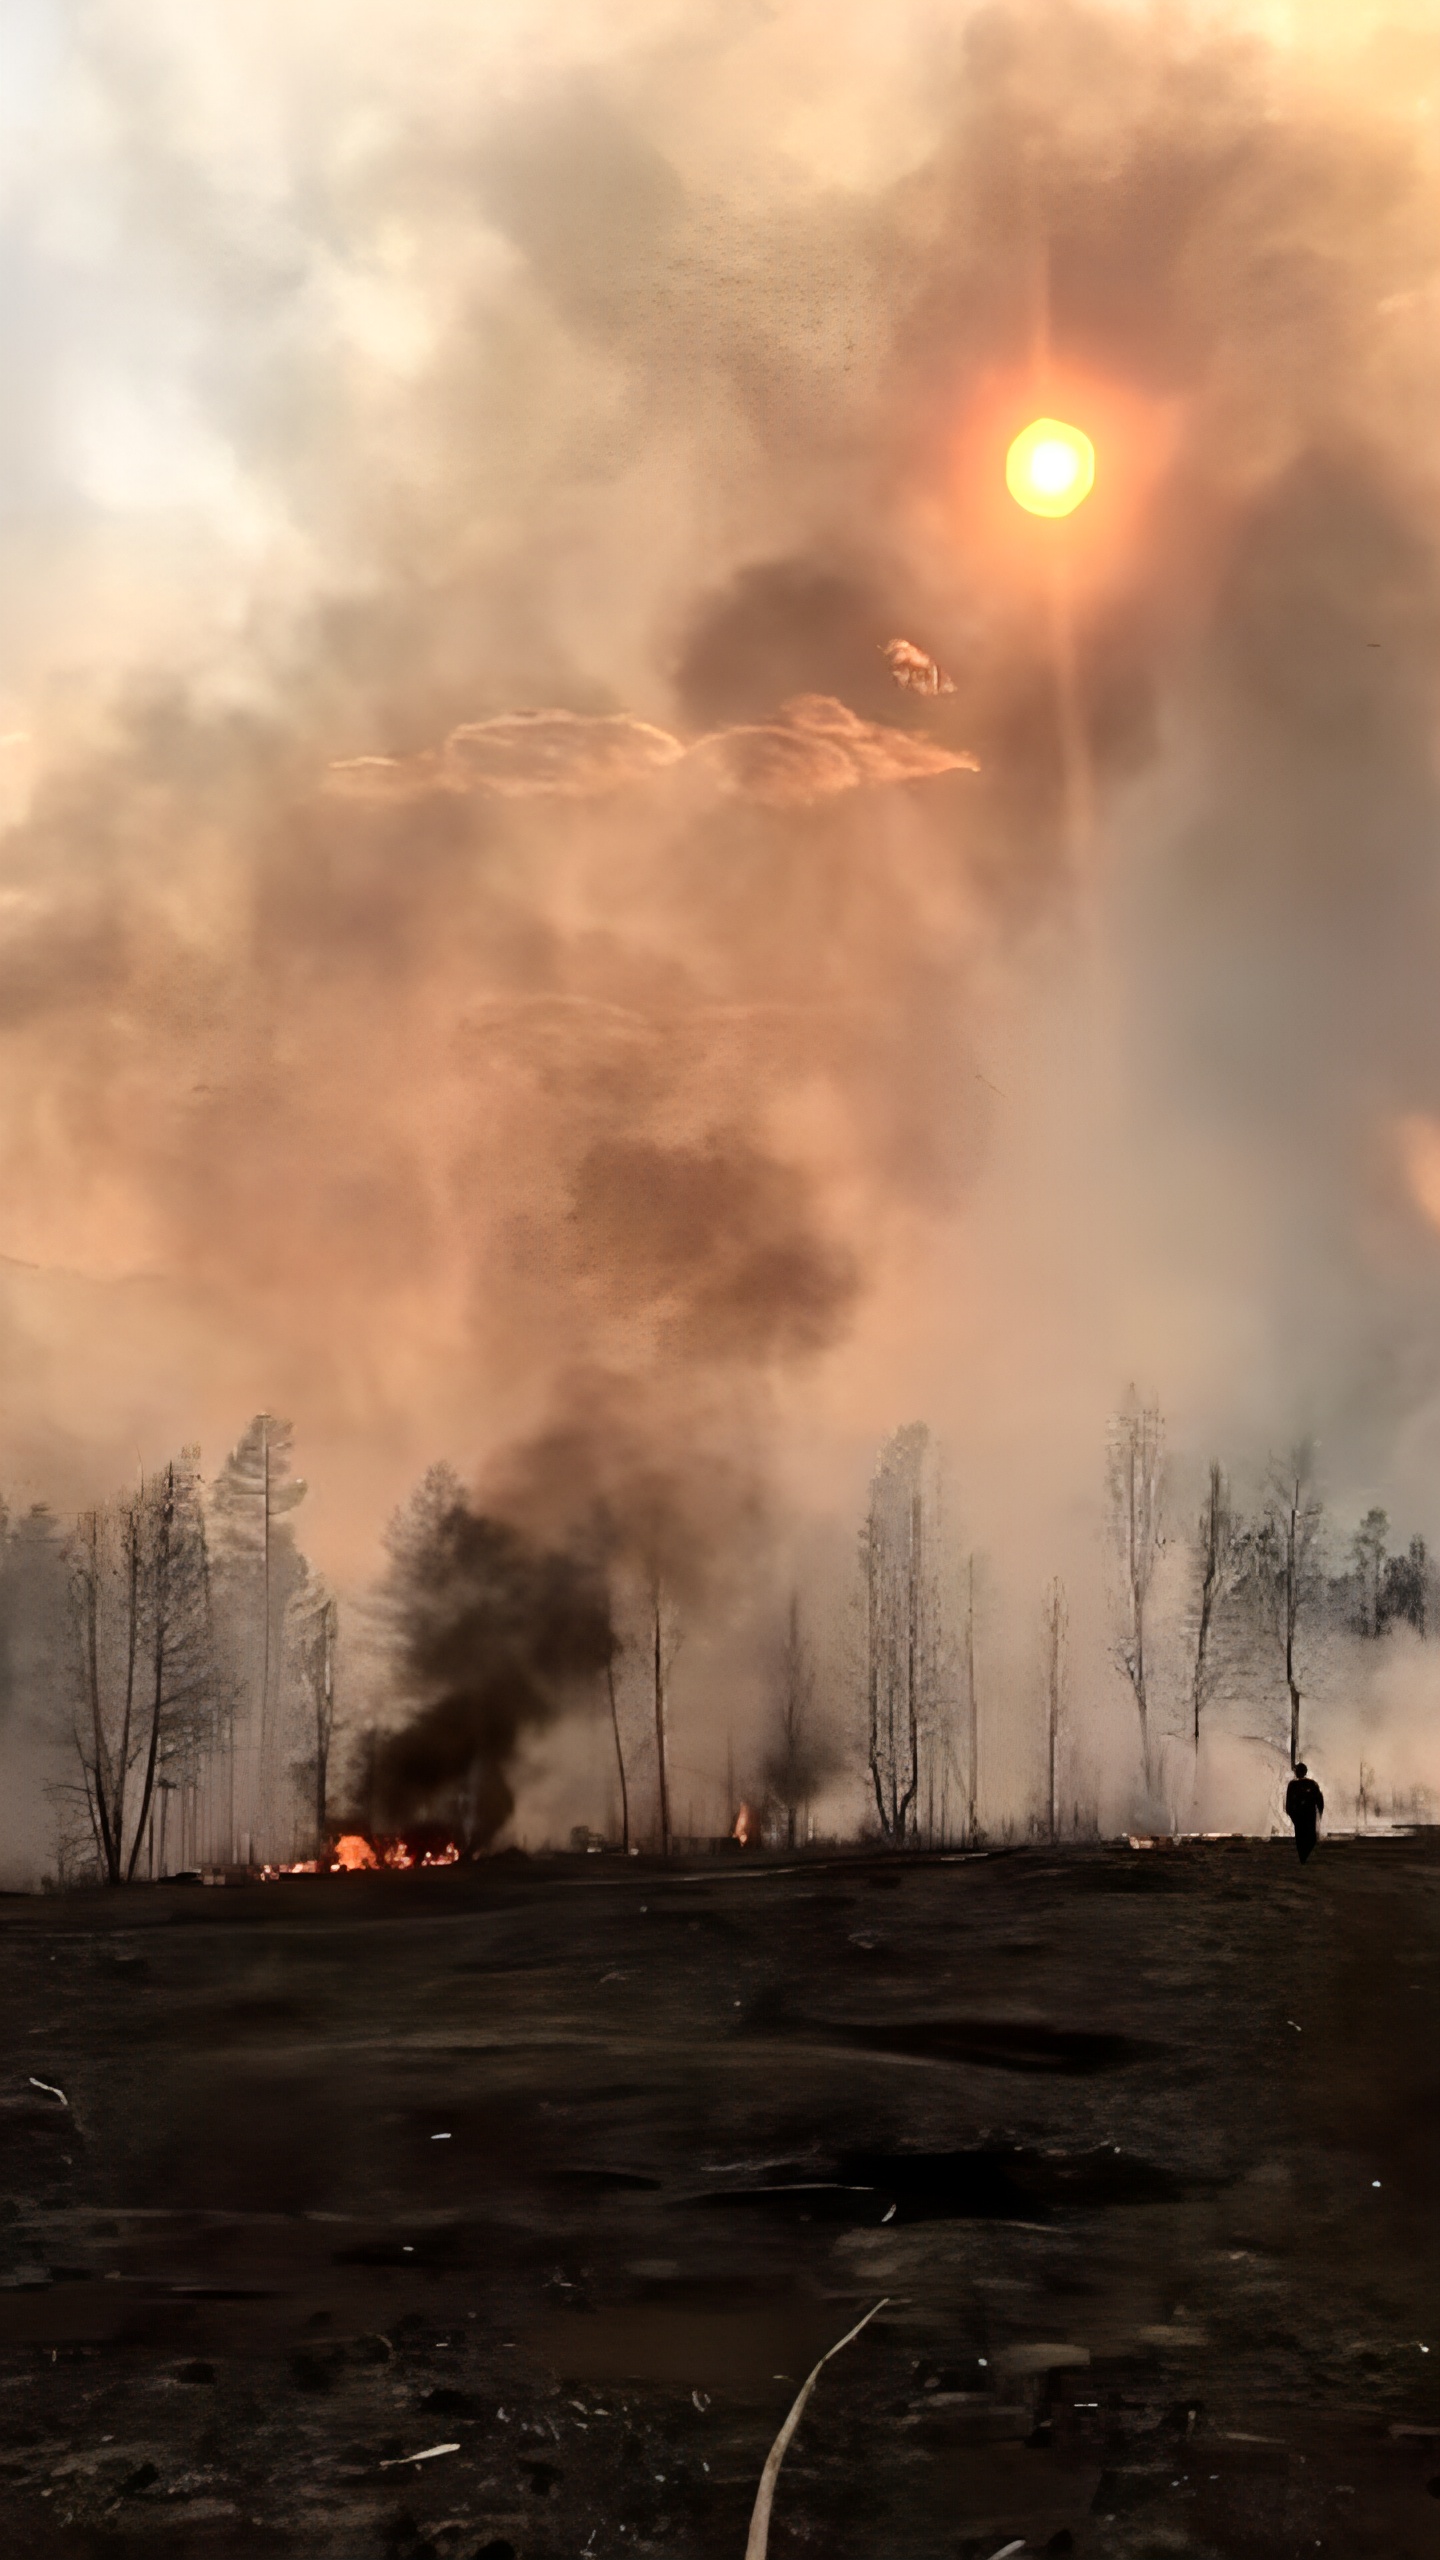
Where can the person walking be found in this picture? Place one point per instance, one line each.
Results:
(1304, 1804)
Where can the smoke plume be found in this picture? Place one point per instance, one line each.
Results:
(489, 1633)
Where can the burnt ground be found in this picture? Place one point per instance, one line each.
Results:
(1141, 2147)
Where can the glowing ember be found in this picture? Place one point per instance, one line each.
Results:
(353, 1853)
(1050, 467)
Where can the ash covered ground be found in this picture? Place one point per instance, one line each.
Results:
(577, 2168)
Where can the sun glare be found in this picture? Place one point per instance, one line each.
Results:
(1050, 467)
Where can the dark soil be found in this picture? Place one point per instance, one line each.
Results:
(576, 2168)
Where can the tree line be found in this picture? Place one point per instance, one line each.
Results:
(181, 1649)
(1268, 1591)
(1221, 1608)
(174, 1651)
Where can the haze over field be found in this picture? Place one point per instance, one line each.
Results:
(494, 966)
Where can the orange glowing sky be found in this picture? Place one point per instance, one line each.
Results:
(594, 323)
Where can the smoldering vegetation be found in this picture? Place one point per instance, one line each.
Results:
(495, 965)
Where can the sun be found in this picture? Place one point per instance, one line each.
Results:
(1050, 467)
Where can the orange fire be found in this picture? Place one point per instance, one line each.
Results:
(355, 1855)
(745, 1826)
(352, 1853)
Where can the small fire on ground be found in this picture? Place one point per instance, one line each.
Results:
(353, 1851)
(353, 1854)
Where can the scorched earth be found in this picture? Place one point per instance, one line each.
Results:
(573, 2168)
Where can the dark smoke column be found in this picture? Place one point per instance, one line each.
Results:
(492, 1636)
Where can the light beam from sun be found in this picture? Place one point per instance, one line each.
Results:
(1050, 467)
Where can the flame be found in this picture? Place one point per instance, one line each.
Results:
(352, 1853)
(355, 1855)
(1050, 467)
(745, 1826)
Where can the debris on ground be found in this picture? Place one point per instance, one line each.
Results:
(759, 2535)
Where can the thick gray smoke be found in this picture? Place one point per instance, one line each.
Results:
(493, 964)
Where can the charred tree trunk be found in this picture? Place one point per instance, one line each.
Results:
(1136, 1470)
(122, 1757)
(1215, 1540)
(165, 1528)
(913, 1668)
(662, 1774)
(872, 1606)
(99, 1783)
(324, 1721)
(619, 1759)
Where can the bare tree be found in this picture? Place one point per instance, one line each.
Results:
(619, 1756)
(1286, 1563)
(665, 1642)
(1057, 1628)
(1215, 1567)
(1136, 1470)
(318, 1624)
(794, 1761)
(893, 1555)
(140, 1582)
(662, 1780)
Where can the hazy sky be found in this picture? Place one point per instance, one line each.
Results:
(491, 965)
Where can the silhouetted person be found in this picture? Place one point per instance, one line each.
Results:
(1304, 1804)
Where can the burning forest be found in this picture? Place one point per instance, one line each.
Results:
(719, 1231)
(202, 1704)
